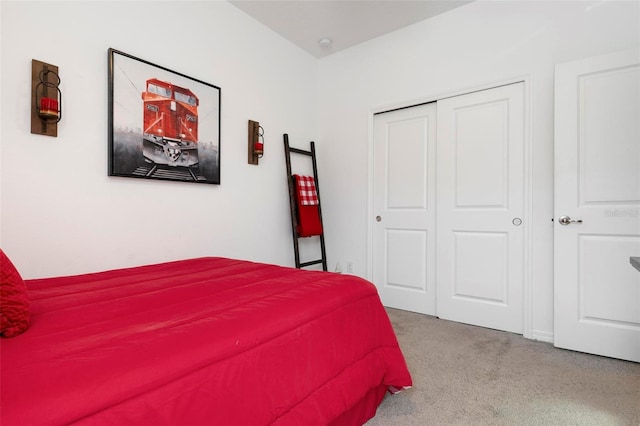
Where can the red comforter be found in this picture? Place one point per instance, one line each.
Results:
(202, 341)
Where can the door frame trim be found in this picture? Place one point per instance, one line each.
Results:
(527, 294)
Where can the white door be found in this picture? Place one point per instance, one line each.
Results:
(597, 192)
(480, 206)
(404, 205)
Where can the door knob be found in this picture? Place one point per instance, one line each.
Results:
(566, 220)
(378, 218)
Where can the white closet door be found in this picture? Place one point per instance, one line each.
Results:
(480, 206)
(404, 206)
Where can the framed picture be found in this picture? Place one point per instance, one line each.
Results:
(162, 124)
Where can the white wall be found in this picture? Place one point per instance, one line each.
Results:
(62, 214)
(476, 45)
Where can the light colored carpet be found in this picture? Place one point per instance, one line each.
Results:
(466, 375)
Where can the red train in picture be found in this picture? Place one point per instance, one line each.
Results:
(170, 124)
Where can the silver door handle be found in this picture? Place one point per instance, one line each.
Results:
(566, 220)
(378, 218)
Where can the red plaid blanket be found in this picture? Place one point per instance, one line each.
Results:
(306, 187)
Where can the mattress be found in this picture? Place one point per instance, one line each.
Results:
(201, 341)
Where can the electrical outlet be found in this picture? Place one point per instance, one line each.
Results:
(349, 266)
(338, 268)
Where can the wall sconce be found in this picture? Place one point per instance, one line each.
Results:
(46, 99)
(256, 142)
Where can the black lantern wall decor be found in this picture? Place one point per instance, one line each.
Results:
(256, 142)
(46, 99)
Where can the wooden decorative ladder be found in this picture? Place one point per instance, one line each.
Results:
(294, 209)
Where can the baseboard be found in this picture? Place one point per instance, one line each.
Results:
(543, 336)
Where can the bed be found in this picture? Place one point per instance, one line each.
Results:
(209, 340)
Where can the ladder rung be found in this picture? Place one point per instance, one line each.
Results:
(300, 151)
(312, 262)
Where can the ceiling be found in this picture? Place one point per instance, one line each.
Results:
(345, 22)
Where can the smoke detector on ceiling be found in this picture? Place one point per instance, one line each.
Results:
(325, 43)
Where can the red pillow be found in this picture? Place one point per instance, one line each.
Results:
(14, 301)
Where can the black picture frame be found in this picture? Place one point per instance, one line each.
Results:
(162, 124)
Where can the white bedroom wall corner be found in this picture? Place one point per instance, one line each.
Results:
(63, 194)
(431, 57)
